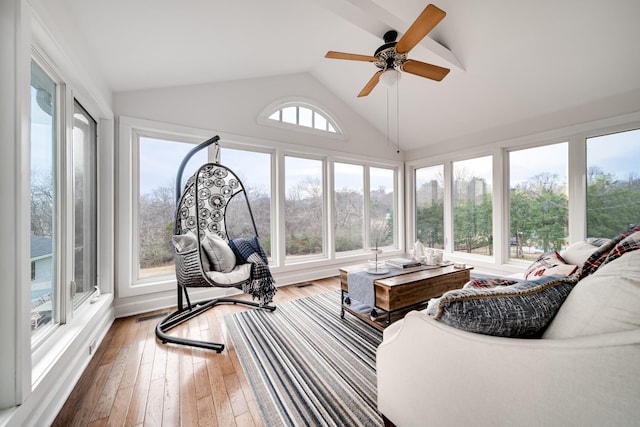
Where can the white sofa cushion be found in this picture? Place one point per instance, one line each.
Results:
(578, 252)
(606, 301)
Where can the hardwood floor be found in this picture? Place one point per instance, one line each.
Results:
(135, 380)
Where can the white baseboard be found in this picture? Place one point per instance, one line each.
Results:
(131, 306)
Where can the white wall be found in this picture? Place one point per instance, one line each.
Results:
(233, 108)
(56, 32)
(581, 116)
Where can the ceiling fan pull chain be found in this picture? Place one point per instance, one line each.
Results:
(387, 116)
(398, 118)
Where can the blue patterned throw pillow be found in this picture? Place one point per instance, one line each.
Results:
(520, 310)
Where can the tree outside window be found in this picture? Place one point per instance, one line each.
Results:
(539, 203)
(429, 184)
(472, 206)
(613, 183)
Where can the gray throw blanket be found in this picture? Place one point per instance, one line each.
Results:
(262, 285)
(360, 285)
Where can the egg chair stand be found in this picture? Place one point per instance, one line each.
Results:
(202, 209)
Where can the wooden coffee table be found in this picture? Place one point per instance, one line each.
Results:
(397, 295)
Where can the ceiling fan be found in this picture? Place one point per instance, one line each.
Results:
(392, 55)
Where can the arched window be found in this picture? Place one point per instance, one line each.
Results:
(302, 115)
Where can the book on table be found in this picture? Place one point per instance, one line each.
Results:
(402, 262)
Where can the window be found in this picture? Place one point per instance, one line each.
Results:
(472, 207)
(550, 193)
(382, 207)
(159, 160)
(538, 202)
(429, 205)
(85, 262)
(294, 228)
(301, 115)
(303, 208)
(45, 142)
(254, 170)
(61, 234)
(613, 183)
(348, 207)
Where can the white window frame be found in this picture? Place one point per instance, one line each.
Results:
(127, 172)
(365, 202)
(327, 205)
(130, 130)
(398, 207)
(451, 231)
(264, 117)
(62, 258)
(506, 229)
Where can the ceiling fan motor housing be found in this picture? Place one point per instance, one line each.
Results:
(386, 55)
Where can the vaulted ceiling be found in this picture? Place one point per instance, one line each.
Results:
(515, 66)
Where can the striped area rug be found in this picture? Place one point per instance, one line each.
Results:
(306, 365)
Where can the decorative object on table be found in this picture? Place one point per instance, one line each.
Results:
(429, 258)
(376, 269)
(418, 250)
(438, 256)
(403, 263)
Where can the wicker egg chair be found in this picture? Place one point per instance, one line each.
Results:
(205, 211)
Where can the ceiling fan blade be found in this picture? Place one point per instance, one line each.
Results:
(350, 56)
(366, 90)
(429, 18)
(423, 69)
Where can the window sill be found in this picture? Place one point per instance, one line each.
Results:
(80, 330)
(57, 365)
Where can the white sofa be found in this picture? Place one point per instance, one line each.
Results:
(583, 371)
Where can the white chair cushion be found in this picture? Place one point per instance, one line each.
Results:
(238, 274)
(219, 253)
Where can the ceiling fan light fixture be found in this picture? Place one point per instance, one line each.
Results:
(389, 77)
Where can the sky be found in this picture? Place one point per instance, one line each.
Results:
(160, 159)
(617, 154)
